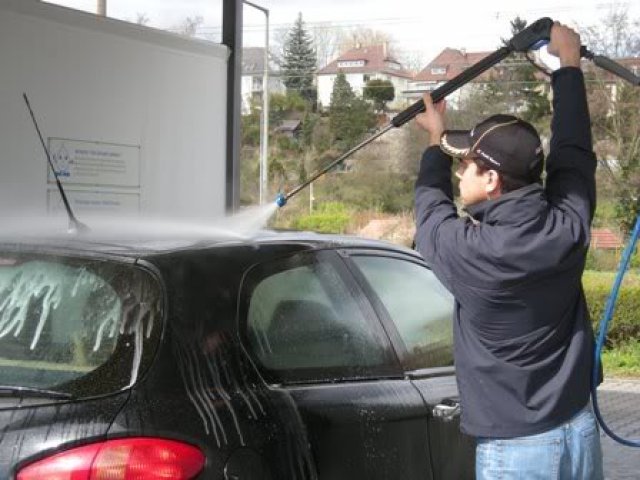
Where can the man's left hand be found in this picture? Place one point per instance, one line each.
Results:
(432, 119)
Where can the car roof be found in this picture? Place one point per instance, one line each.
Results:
(145, 238)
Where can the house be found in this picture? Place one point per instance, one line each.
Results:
(289, 128)
(631, 63)
(605, 239)
(610, 80)
(252, 74)
(360, 65)
(446, 65)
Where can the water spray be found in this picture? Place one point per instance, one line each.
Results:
(533, 37)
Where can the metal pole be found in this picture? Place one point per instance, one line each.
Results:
(232, 38)
(265, 110)
(264, 135)
(102, 8)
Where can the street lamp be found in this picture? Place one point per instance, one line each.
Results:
(264, 137)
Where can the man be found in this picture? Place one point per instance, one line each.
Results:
(523, 342)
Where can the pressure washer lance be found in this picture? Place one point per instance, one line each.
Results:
(533, 37)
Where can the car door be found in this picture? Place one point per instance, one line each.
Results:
(313, 334)
(417, 311)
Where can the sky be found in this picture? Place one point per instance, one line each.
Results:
(420, 28)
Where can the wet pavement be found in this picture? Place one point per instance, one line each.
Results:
(619, 402)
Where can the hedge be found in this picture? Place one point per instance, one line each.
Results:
(625, 325)
(331, 217)
(609, 260)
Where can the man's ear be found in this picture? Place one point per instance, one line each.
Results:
(494, 182)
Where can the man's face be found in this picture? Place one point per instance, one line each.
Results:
(473, 182)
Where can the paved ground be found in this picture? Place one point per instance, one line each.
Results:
(619, 402)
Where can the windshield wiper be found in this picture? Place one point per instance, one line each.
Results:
(13, 390)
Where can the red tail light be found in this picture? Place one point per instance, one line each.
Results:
(122, 459)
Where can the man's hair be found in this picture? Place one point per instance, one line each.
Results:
(508, 183)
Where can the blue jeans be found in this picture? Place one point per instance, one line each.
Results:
(571, 451)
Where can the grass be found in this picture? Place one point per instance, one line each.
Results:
(631, 277)
(623, 361)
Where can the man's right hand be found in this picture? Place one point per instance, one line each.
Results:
(432, 119)
(565, 44)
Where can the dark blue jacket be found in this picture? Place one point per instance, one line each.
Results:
(523, 341)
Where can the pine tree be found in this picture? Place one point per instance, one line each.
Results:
(525, 93)
(349, 115)
(299, 62)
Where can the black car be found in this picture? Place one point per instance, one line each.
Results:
(280, 356)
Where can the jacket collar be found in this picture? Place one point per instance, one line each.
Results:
(512, 208)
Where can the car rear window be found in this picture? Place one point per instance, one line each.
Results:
(77, 325)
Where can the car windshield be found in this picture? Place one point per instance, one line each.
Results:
(63, 319)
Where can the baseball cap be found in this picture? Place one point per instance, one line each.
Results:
(503, 143)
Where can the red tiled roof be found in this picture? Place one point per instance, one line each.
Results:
(376, 60)
(453, 61)
(605, 239)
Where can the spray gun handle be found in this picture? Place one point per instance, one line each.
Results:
(615, 68)
(408, 113)
(532, 37)
(452, 85)
(535, 34)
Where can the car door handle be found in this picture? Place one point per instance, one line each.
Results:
(447, 410)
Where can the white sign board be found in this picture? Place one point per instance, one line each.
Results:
(94, 163)
(93, 202)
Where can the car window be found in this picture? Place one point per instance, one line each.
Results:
(75, 325)
(305, 323)
(420, 307)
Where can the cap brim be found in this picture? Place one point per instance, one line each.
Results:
(456, 143)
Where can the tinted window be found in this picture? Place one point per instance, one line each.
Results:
(304, 322)
(420, 307)
(75, 325)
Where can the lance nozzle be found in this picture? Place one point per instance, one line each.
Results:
(281, 200)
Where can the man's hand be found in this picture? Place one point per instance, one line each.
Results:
(565, 44)
(432, 119)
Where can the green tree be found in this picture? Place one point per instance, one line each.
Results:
(518, 88)
(349, 115)
(309, 122)
(615, 117)
(282, 106)
(379, 92)
(615, 114)
(299, 62)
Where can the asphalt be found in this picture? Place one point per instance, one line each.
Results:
(619, 402)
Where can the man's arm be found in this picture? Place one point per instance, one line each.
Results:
(437, 222)
(571, 163)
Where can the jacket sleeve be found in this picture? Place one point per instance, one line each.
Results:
(438, 226)
(571, 163)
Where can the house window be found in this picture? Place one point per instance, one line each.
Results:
(351, 63)
(438, 71)
(366, 78)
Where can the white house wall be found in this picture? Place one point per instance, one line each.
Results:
(356, 80)
(246, 87)
(249, 89)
